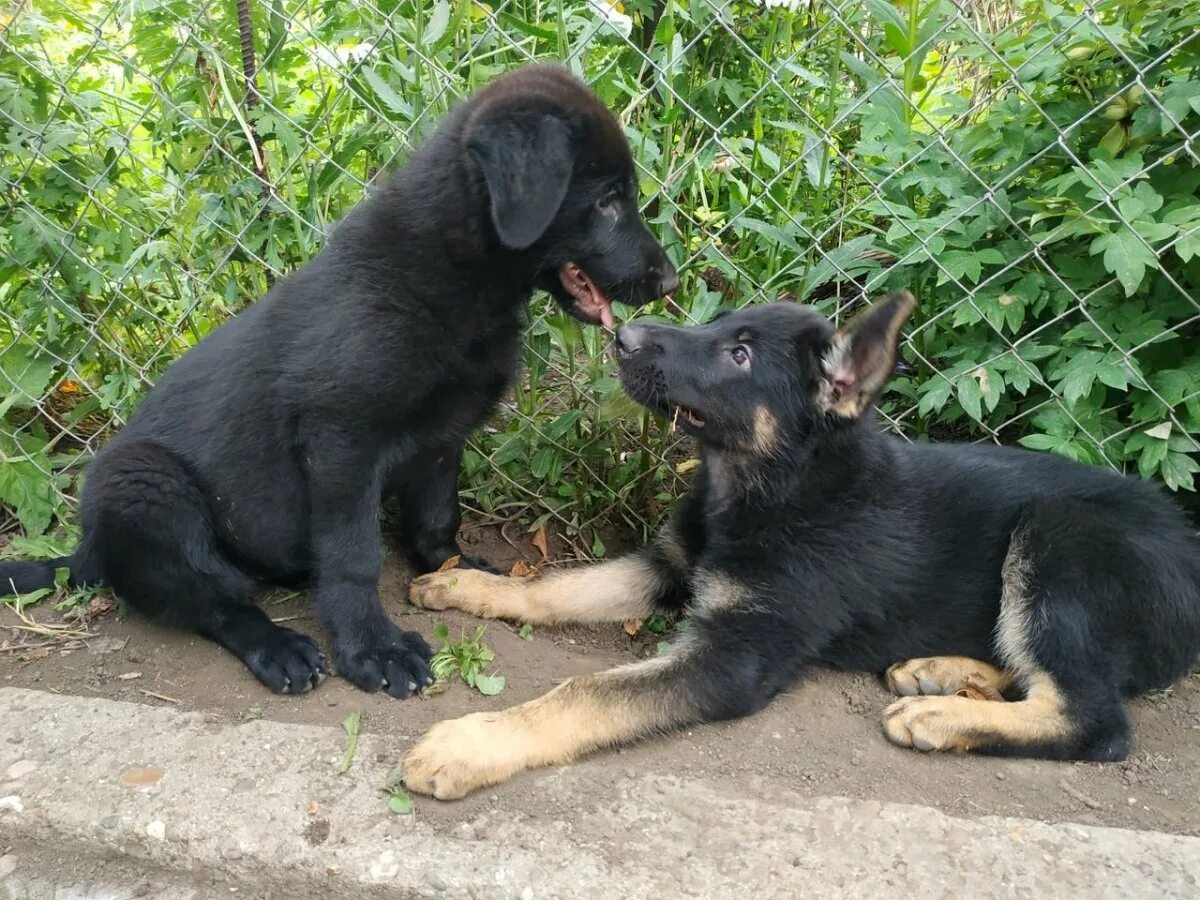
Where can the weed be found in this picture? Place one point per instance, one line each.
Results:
(467, 658)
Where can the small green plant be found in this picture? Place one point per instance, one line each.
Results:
(467, 657)
(350, 725)
(400, 803)
(526, 632)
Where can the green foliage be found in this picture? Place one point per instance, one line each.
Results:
(1035, 187)
(467, 657)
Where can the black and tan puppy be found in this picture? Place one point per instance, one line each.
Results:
(263, 453)
(813, 539)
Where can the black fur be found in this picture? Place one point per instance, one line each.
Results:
(263, 453)
(858, 550)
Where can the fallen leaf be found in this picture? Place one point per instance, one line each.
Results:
(451, 563)
(539, 541)
(633, 626)
(312, 808)
(129, 676)
(34, 655)
(522, 569)
(351, 728)
(141, 776)
(980, 690)
(686, 466)
(100, 605)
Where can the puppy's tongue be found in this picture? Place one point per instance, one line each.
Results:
(589, 299)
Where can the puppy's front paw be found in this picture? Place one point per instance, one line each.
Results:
(465, 589)
(459, 756)
(385, 657)
(287, 662)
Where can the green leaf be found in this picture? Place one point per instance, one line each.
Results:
(1126, 256)
(934, 394)
(526, 632)
(384, 91)
(24, 378)
(400, 803)
(1177, 471)
(1040, 441)
(436, 26)
(970, 396)
(441, 632)
(489, 685)
(1188, 246)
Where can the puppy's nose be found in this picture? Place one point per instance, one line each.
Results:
(669, 282)
(631, 337)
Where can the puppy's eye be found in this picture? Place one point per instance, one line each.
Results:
(740, 356)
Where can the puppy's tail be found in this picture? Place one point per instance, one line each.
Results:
(21, 577)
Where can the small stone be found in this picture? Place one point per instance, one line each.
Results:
(436, 881)
(1133, 801)
(385, 867)
(110, 821)
(21, 768)
(141, 777)
(333, 870)
(527, 892)
(11, 803)
(232, 853)
(157, 830)
(1000, 776)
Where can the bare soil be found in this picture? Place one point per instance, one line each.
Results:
(822, 738)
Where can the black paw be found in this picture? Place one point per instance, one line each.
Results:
(477, 562)
(287, 662)
(385, 657)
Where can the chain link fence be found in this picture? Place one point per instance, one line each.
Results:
(1028, 169)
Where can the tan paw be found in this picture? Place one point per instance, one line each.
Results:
(459, 756)
(944, 676)
(929, 723)
(465, 589)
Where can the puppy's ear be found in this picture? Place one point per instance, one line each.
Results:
(860, 356)
(527, 160)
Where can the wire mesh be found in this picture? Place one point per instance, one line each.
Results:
(1028, 169)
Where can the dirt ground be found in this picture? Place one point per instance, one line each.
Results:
(821, 739)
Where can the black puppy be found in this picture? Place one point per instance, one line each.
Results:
(263, 453)
(813, 539)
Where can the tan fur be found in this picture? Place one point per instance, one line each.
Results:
(939, 675)
(962, 723)
(1014, 622)
(840, 356)
(766, 432)
(610, 592)
(582, 714)
(716, 593)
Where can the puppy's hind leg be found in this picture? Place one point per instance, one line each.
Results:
(1046, 634)
(148, 528)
